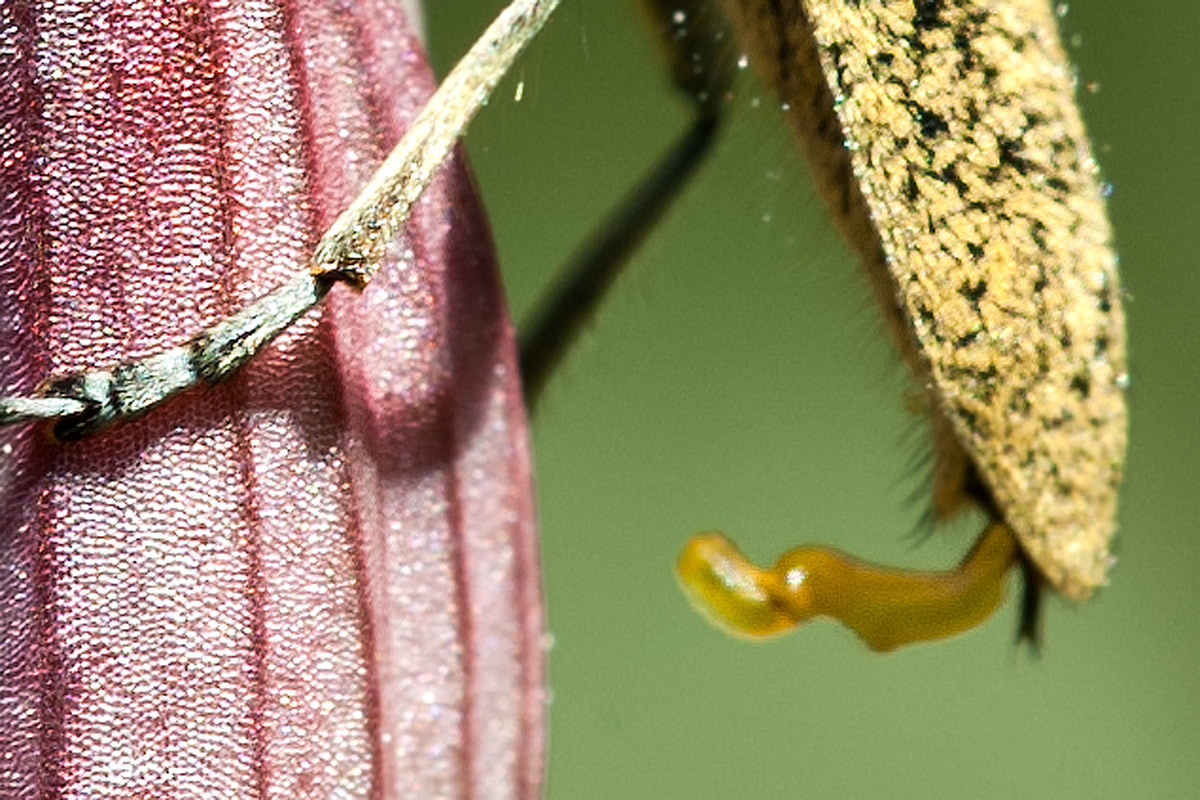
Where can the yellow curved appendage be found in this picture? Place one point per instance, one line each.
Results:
(886, 607)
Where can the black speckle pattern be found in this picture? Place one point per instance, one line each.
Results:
(960, 169)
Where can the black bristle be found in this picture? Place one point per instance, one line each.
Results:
(1029, 627)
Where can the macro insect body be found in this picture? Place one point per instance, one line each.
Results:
(945, 138)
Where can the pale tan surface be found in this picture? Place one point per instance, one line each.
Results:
(958, 166)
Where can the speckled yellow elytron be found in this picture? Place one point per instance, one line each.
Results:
(946, 140)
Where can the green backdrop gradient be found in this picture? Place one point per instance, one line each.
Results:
(739, 379)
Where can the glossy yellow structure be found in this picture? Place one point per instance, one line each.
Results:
(886, 607)
(945, 138)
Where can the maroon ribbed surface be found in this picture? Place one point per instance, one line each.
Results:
(320, 579)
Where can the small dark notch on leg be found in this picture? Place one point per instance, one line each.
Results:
(1029, 627)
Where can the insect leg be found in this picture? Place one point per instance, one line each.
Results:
(693, 39)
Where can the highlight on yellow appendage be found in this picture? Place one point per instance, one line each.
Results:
(886, 607)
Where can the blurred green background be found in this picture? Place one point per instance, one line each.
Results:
(739, 379)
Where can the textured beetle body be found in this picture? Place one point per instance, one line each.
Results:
(955, 160)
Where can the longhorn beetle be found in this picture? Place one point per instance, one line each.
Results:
(979, 216)
(945, 139)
